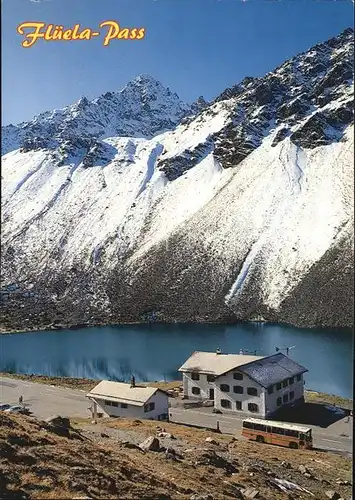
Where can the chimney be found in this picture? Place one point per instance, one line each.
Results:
(133, 381)
(218, 351)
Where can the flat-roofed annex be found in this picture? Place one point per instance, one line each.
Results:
(122, 393)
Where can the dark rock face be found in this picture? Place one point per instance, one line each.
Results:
(176, 166)
(326, 291)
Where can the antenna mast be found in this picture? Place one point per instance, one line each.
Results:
(287, 349)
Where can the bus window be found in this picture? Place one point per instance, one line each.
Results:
(260, 427)
(309, 436)
(291, 433)
(248, 425)
(277, 430)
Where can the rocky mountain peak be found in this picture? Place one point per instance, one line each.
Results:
(143, 108)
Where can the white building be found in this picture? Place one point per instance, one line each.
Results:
(117, 399)
(238, 383)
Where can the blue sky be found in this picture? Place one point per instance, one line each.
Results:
(196, 47)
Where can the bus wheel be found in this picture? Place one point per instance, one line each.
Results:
(260, 439)
(293, 445)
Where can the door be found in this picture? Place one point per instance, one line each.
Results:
(211, 393)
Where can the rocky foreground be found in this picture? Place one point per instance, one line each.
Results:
(151, 460)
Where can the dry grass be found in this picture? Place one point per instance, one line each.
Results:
(166, 386)
(72, 383)
(322, 398)
(192, 435)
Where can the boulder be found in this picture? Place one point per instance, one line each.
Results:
(166, 435)
(172, 452)
(332, 495)
(251, 493)
(211, 440)
(132, 446)
(58, 421)
(150, 444)
(212, 459)
(303, 469)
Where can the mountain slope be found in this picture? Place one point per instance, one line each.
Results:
(243, 211)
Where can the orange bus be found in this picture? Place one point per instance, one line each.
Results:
(279, 433)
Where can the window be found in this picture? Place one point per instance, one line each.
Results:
(270, 389)
(224, 387)
(285, 383)
(210, 378)
(277, 430)
(238, 405)
(238, 389)
(107, 403)
(124, 405)
(291, 380)
(196, 391)
(225, 403)
(278, 386)
(149, 407)
(292, 394)
(299, 377)
(260, 427)
(285, 398)
(291, 433)
(252, 391)
(195, 376)
(238, 376)
(253, 407)
(279, 401)
(113, 403)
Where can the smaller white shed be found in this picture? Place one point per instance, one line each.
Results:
(117, 399)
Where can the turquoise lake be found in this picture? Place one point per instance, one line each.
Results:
(155, 352)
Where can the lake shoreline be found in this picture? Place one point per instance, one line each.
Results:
(52, 328)
(87, 384)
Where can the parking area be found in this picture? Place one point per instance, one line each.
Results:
(44, 400)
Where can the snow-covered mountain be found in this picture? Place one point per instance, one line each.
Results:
(244, 210)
